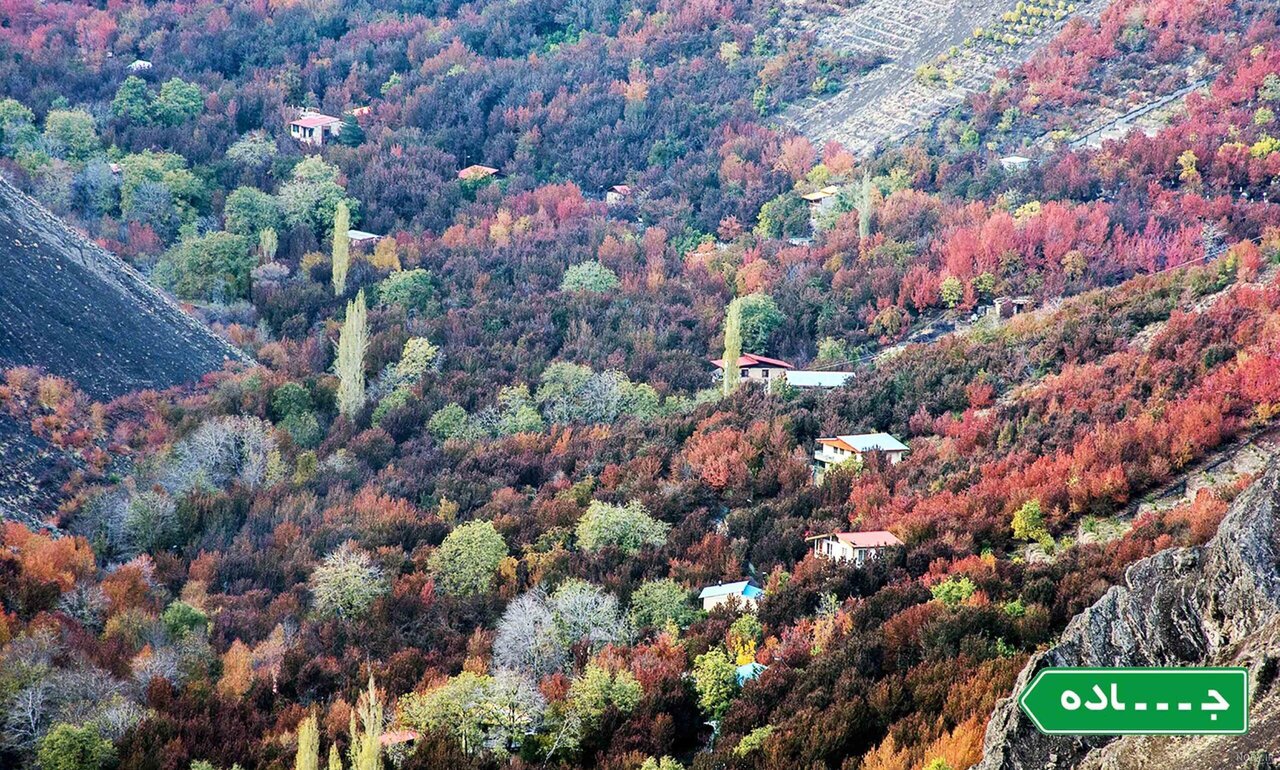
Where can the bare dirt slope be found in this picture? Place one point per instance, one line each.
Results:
(79, 312)
(74, 310)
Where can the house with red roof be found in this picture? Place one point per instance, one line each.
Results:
(315, 128)
(754, 368)
(856, 547)
(617, 194)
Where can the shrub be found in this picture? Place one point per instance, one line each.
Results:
(466, 561)
(589, 277)
(213, 267)
(629, 528)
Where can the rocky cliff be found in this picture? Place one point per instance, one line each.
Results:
(1218, 604)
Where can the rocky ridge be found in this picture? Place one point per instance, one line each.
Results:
(1217, 604)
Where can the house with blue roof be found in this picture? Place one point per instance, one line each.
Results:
(746, 593)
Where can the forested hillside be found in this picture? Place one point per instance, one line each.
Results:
(459, 511)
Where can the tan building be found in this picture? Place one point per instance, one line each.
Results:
(753, 368)
(855, 547)
(836, 450)
(617, 194)
(476, 172)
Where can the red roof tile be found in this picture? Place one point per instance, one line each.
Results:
(750, 359)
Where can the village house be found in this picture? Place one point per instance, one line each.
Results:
(476, 173)
(804, 379)
(856, 547)
(617, 194)
(1014, 163)
(745, 593)
(140, 65)
(753, 368)
(836, 450)
(361, 238)
(314, 128)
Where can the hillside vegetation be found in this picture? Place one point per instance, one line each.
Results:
(459, 511)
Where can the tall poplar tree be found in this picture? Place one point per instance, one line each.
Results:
(732, 345)
(341, 248)
(353, 340)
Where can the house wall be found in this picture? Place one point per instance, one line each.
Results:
(711, 602)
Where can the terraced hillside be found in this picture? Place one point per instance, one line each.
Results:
(892, 102)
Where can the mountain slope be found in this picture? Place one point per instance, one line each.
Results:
(1218, 604)
(74, 310)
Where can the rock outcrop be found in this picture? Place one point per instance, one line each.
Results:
(1218, 604)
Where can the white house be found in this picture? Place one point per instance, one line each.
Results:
(139, 65)
(856, 547)
(802, 378)
(359, 237)
(314, 128)
(755, 368)
(834, 450)
(747, 594)
(1014, 163)
(617, 194)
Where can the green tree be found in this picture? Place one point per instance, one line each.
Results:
(449, 422)
(167, 169)
(268, 243)
(350, 134)
(310, 198)
(951, 291)
(866, 202)
(213, 267)
(589, 277)
(1028, 523)
(953, 591)
(465, 563)
(600, 689)
(661, 763)
(715, 678)
(308, 756)
(341, 248)
(760, 319)
(72, 135)
(629, 528)
(410, 289)
(17, 127)
(658, 603)
(67, 747)
(366, 734)
(785, 216)
(479, 711)
(353, 341)
(181, 619)
(249, 211)
(732, 346)
(255, 150)
(132, 101)
(347, 583)
(177, 102)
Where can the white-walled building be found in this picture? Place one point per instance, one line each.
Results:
(855, 547)
(835, 450)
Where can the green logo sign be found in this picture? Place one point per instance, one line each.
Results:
(1139, 701)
